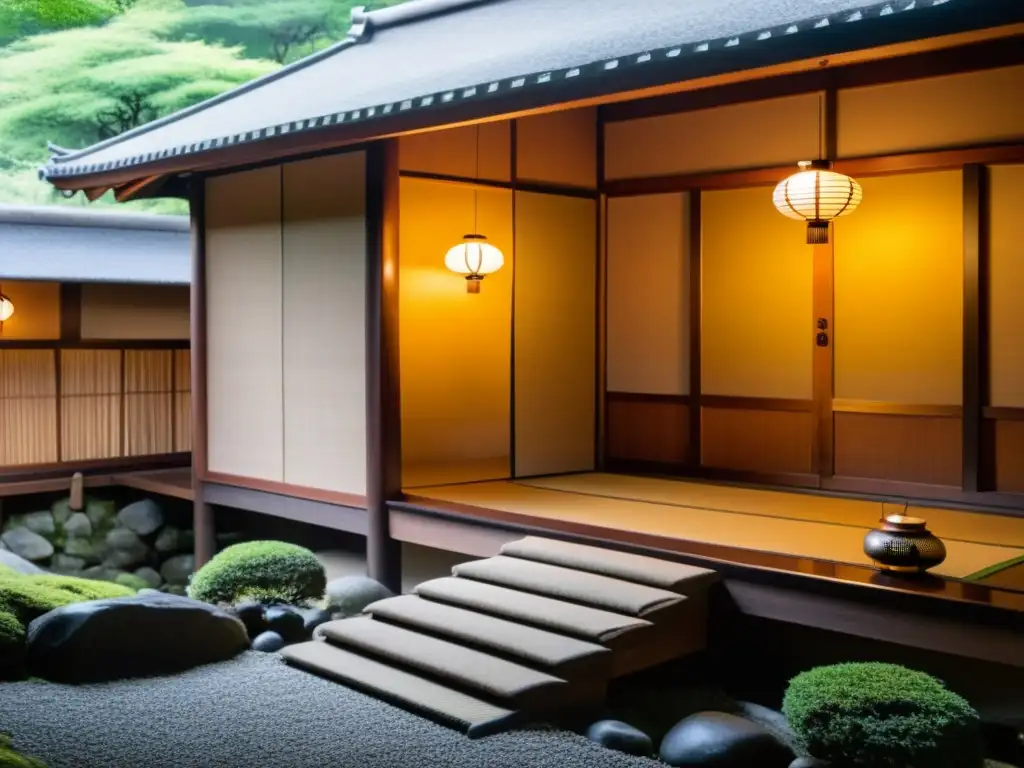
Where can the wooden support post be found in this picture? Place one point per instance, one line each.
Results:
(695, 239)
(383, 409)
(975, 319)
(202, 513)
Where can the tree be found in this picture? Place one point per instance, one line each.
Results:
(26, 17)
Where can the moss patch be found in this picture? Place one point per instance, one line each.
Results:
(873, 715)
(11, 759)
(273, 571)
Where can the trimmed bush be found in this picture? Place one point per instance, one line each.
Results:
(266, 571)
(11, 759)
(873, 715)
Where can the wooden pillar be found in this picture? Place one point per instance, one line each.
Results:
(975, 319)
(383, 410)
(695, 248)
(202, 513)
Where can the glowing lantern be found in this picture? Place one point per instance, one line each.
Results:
(474, 257)
(817, 195)
(6, 308)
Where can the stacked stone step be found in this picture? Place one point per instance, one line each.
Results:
(536, 631)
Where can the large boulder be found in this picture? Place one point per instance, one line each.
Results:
(27, 544)
(18, 563)
(41, 523)
(349, 595)
(622, 737)
(720, 740)
(138, 636)
(178, 569)
(143, 517)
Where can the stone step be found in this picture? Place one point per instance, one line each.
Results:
(589, 589)
(560, 655)
(510, 685)
(455, 709)
(590, 624)
(663, 574)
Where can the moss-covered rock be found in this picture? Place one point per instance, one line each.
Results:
(267, 571)
(873, 715)
(9, 758)
(133, 582)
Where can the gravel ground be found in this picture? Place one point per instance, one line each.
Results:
(257, 711)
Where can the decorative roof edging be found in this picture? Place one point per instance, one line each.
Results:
(61, 165)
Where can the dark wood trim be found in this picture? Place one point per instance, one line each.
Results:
(437, 533)
(154, 482)
(975, 326)
(601, 330)
(338, 517)
(695, 252)
(1011, 504)
(896, 409)
(286, 489)
(642, 397)
(155, 344)
(888, 624)
(728, 402)
(521, 186)
(32, 472)
(202, 513)
(383, 404)
(1002, 413)
(70, 312)
(967, 58)
(859, 167)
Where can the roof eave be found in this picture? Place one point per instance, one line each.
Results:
(935, 27)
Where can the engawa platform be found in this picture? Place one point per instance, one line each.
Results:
(534, 633)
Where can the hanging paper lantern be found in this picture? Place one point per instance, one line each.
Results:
(817, 195)
(6, 308)
(474, 257)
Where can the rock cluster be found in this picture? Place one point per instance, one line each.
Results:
(133, 546)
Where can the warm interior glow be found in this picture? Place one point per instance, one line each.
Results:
(817, 195)
(474, 257)
(6, 308)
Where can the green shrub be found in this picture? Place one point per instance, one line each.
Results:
(268, 571)
(11, 759)
(872, 715)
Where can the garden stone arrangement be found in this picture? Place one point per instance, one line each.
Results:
(133, 546)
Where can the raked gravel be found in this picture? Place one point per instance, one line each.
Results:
(256, 711)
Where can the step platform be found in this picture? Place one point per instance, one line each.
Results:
(533, 634)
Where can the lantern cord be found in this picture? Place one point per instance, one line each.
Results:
(477, 174)
(821, 128)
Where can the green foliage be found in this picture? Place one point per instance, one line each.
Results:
(271, 570)
(131, 581)
(9, 758)
(28, 17)
(873, 715)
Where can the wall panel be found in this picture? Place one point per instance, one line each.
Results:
(28, 409)
(936, 112)
(757, 326)
(455, 347)
(36, 310)
(899, 292)
(912, 449)
(748, 135)
(453, 151)
(648, 429)
(113, 311)
(148, 401)
(324, 323)
(558, 148)
(182, 400)
(769, 442)
(648, 323)
(245, 413)
(1009, 456)
(555, 333)
(1006, 286)
(91, 383)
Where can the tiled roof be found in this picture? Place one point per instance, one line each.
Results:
(64, 244)
(426, 55)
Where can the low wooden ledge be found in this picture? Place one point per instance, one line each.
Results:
(950, 617)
